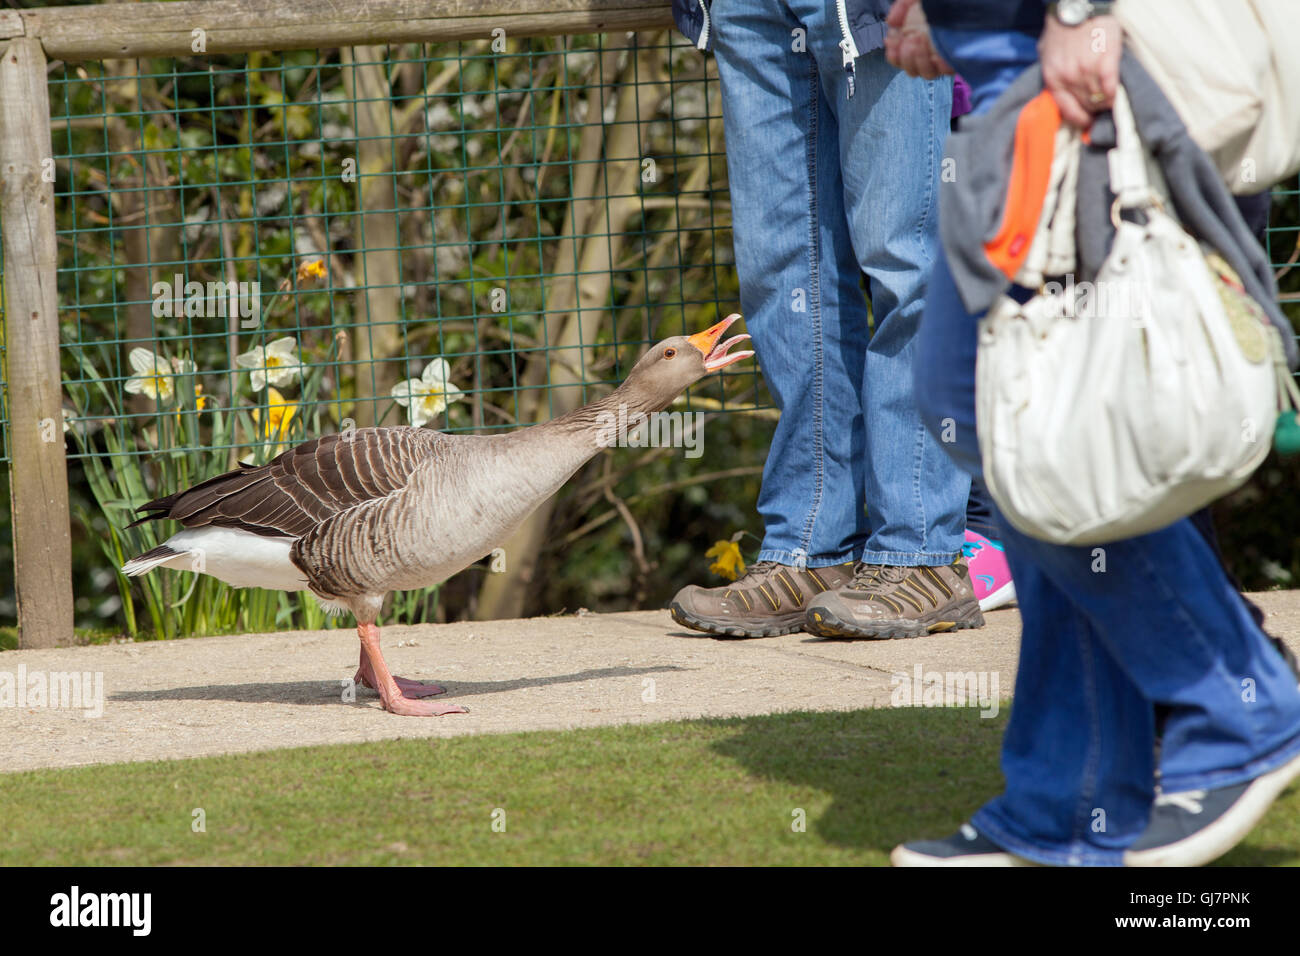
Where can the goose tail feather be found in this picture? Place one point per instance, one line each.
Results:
(156, 510)
(149, 560)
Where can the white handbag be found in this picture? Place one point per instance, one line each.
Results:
(1109, 410)
(1231, 68)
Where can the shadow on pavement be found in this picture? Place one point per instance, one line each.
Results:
(329, 692)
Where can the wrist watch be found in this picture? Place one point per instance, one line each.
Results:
(1073, 12)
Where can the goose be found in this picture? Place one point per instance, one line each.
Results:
(353, 516)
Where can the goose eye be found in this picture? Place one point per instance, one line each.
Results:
(669, 353)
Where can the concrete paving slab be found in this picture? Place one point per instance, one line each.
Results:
(216, 695)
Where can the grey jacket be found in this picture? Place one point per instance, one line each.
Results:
(971, 207)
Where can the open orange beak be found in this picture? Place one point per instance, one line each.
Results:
(715, 352)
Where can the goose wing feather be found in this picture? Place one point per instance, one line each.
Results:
(304, 486)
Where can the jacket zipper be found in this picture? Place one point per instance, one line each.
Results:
(847, 46)
(703, 42)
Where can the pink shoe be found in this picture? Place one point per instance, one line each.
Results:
(989, 572)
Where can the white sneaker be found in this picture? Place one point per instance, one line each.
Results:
(1193, 827)
(966, 847)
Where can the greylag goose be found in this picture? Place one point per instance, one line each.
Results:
(351, 517)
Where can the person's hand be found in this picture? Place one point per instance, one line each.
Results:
(907, 44)
(1081, 66)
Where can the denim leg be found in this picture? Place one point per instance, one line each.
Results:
(944, 370)
(1160, 613)
(1068, 689)
(1166, 611)
(1078, 755)
(979, 512)
(798, 283)
(916, 497)
(1107, 633)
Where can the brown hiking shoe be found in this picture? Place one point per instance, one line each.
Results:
(769, 600)
(886, 602)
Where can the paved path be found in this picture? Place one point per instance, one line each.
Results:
(215, 695)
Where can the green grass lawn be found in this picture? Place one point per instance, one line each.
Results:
(695, 792)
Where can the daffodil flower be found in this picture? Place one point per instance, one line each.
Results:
(278, 415)
(315, 269)
(273, 422)
(728, 562)
(426, 397)
(201, 401)
(276, 363)
(154, 375)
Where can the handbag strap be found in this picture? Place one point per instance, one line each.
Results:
(1062, 254)
(1052, 251)
(1128, 160)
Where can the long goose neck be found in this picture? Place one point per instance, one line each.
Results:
(588, 421)
(546, 454)
(500, 479)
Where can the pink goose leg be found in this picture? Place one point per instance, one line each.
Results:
(392, 696)
(410, 688)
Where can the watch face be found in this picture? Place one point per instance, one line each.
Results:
(1073, 12)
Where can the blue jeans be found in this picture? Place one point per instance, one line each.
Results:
(1108, 633)
(825, 188)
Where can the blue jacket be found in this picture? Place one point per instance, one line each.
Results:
(862, 22)
(1024, 16)
(862, 26)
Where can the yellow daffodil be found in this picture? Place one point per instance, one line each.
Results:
(201, 401)
(426, 397)
(728, 562)
(273, 422)
(276, 364)
(314, 269)
(154, 375)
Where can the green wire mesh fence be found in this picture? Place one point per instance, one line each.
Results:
(385, 233)
(1283, 244)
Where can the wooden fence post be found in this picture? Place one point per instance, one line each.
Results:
(39, 473)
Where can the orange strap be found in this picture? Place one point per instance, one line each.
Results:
(1031, 171)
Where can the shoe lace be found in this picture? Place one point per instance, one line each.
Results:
(759, 571)
(876, 578)
(1189, 800)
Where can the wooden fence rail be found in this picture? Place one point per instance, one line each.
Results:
(31, 38)
(239, 26)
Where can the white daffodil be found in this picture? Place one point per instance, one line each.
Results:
(276, 363)
(427, 396)
(154, 374)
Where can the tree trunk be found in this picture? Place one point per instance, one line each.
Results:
(378, 257)
(147, 218)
